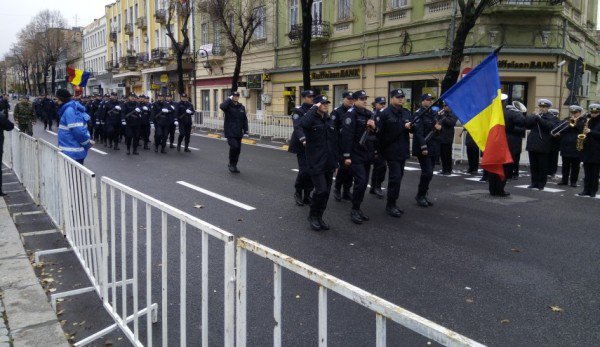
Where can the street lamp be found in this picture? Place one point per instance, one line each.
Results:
(202, 53)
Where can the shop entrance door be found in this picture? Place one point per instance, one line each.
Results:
(516, 91)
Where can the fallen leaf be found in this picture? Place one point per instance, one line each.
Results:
(468, 288)
(60, 312)
(555, 308)
(198, 206)
(52, 290)
(505, 321)
(413, 267)
(297, 296)
(63, 322)
(75, 324)
(470, 301)
(515, 250)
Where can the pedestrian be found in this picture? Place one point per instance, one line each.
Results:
(48, 109)
(343, 177)
(591, 152)
(112, 118)
(472, 154)
(303, 184)
(73, 136)
(426, 146)
(356, 155)
(186, 112)
(539, 143)
(379, 167)
(447, 120)
(5, 125)
(571, 157)
(173, 116)
(321, 157)
(235, 127)
(4, 105)
(393, 128)
(24, 115)
(145, 121)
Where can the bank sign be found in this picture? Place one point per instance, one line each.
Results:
(325, 75)
(532, 65)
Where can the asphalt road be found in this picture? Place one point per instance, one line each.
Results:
(488, 268)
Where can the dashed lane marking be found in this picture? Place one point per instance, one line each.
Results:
(475, 179)
(546, 189)
(51, 132)
(409, 168)
(93, 149)
(438, 173)
(217, 196)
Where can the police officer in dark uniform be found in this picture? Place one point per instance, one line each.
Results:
(356, 155)
(555, 151)
(539, 143)
(515, 132)
(447, 120)
(321, 157)
(343, 178)
(571, 157)
(145, 121)
(173, 116)
(393, 128)
(591, 152)
(161, 119)
(132, 115)
(49, 109)
(472, 154)
(113, 121)
(303, 182)
(186, 112)
(425, 122)
(99, 135)
(235, 127)
(379, 167)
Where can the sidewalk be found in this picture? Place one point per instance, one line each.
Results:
(28, 318)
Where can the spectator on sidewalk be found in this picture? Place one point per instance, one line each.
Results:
(5, 125)
(73, 135)
(4, 105)
(24, 116)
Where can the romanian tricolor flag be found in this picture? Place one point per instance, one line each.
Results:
(476, 101)
(77, 77)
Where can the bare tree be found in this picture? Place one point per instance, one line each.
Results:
(470, 11)
(307, 24)
(183, 9)
(50, 29)
(239, 20)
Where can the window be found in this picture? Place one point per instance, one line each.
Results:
(204, 33)
(293, 12)
(157, 38)
(216, 34)
(259, 104)
(216, 101)
(398, 3)
(343, 10)
(119, 23)
(232, 25)
(205, 100)
(317, 11)
(260, 14)
(338, 90)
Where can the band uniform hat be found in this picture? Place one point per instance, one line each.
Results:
(321, 99)
(307, 93)
(594, 107)
(503, 96)
(545, 103)
(575, 108)
(183, 95)
(360, 94)
(553, 111)
(397, 93)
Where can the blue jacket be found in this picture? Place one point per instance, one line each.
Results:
(73, 135)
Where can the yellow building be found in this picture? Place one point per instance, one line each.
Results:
(139, 50)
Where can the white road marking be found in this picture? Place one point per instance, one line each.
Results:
(475, 179)
(546, 189)
(193, 148)
(586, 196)
(295, 170)
(408, 168)
(52, 132)
(217, 196)
(93, 149)
(438, 173)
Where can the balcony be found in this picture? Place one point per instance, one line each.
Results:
(112, 65)
(129, 29)
(320, 30)
(530, 2)
(143, 59)
(129, 62)
(113, 36)
(141, 23)
(526, 7)
(161, 16)
(160, 54)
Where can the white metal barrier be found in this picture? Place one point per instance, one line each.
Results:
(384, 310)
(7, 156)
(120, 222)
(17, 157)
(29, 165)
(49, 182)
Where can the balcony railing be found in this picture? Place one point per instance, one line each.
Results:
(162, 53)
(113, 36)
(129, 29)
(530, 2)
(129, 62)
(141, 22)
(142, 58)
(112, 65)
(161, 16)
(319, 30)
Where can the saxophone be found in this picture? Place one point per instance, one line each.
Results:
(581, 137)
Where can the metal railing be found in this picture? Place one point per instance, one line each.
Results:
(141, 22)
(29, 165)
(160, 53)
(129, 29)
(275, 127)
(50, 195)
(319, 30)
(384, 310)
(7, 156)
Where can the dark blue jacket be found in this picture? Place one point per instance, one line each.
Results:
(236, 120)
(298, 136)
(393, 137)
(321, 142)
(355, 123)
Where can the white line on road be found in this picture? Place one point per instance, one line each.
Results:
(475, 179)
(408, 168)
(295, 170)
(546, 189)
(93, 149)
(52, 132)
(595, 197)
(217, 196)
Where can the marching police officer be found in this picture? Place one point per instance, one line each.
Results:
(447, 120)
(145, 121)
(539, 143)
(113, 121)
(303, 182)
(235, 127)
(424, 149)
(356, 155)
(571, 157)
(343, 178)
(186, 112)
(173, 116)
(379, 168)
(131, 119)
(515, 132)
(393, 128)
(591, 152)
(161, 120)
(321, 157)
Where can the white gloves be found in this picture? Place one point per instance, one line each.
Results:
(137, 109)
(123, 123)
(188, 111)
(176, 123)
(118, 108)
(173, 107)
(145, 108)
(165, 110)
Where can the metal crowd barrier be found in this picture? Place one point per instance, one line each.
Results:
(121, 220)
(7, 157)
(49, 182)
(384, 310)
(30, 165)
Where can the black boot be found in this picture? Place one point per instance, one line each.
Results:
(171, 146)
(379, 193)
(187, 150)
(179, 147)
(393, 211)
(337, 194)
(421, 201)
(128, 152)
(355, 216)
(135, 152)
(324, 226)
(298, 198)
(314, 223)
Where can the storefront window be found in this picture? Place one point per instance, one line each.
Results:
(205, 100)
(290, 99)
(338, 90)
(414, 89)
(216, 101)
(516, 91)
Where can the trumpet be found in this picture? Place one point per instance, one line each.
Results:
(567, 123)
(581, 137)
(519, 106)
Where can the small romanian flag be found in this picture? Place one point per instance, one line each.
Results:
(78, 77)
(476, 101)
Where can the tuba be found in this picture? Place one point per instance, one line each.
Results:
(519, 106)
(581, 137)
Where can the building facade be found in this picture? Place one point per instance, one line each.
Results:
(381, 45)
(71, 56)
(139, 52)
(94, 47)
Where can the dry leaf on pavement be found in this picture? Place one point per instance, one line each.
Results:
(555, 308)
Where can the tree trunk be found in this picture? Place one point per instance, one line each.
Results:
(453, 72)
(180, 84)
(45, 72)
(236, 72)
(53, 79)
(306, 38)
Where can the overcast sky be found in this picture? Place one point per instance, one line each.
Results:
(14, 15)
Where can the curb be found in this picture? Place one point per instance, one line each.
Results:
(31, 319)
